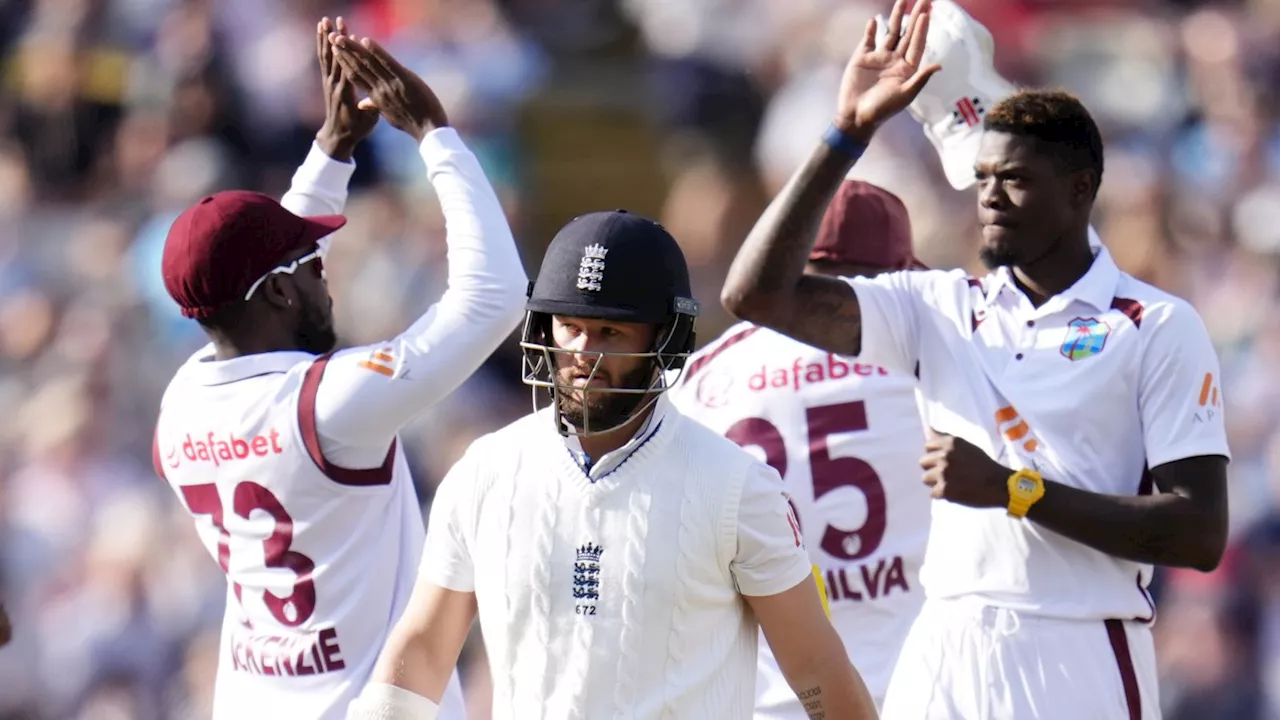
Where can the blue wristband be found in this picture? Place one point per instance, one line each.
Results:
(837, 139)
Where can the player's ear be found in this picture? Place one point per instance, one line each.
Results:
(1084, 188)
(279, 293)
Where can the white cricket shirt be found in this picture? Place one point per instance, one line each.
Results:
(1105, 380)
(846, 438)
(291, 470)
(615, 593)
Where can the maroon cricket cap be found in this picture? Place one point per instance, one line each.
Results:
(218, 247)
(865, 225)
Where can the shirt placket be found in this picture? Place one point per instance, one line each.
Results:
(1022, 323)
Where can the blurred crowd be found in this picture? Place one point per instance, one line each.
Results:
(116, 114)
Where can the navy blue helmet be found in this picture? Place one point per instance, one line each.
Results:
(610, 266)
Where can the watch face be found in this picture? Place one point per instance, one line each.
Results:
(1026, 486)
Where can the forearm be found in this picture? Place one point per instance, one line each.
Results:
(773, 257)
(423, 647)
(1162, 529)
(407, 662)
(319, 185)
(485, 270)
(811, 655)
(767, 284)
(806, 646)
(831, 688)
(403, 684)
(370, 393)
(406, 683)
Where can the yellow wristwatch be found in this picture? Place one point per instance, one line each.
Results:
(1025, 488)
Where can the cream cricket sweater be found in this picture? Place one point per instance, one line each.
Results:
(618, 597)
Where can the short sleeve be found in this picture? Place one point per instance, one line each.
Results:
(889, 305)
(771, 557)
(1179, 392)
(446, 557)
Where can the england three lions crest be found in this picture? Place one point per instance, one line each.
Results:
(591, 269)
(586, 579)
(1085, 338)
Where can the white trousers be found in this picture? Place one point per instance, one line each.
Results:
(964, 661)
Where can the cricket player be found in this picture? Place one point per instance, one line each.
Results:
(621, 557)
(284, 451)
(828, 423)
(1075, 412)
(845, 437)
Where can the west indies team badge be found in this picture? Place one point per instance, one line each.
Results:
(1085, 338)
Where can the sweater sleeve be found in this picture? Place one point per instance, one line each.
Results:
(771, 557)
(446, 557)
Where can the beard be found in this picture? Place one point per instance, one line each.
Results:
(314, 333)
(607, 410)
(994, 258)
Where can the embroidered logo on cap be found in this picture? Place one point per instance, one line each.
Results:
(591, 269)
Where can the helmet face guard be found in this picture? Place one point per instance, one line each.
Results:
(610, 266)
(671, 348)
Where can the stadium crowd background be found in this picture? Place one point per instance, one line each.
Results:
(116, 114)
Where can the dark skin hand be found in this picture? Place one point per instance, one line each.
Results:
(1184, 525)
(767, 284)
(345, 122)
(394, 91)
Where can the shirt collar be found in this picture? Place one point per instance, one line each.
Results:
(1097, 287)
(995, 283)
(204, 369)
(599, 467)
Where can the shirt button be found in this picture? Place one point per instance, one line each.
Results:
(1018, 356)
(1031, 323)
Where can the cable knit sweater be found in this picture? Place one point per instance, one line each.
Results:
(616, 597)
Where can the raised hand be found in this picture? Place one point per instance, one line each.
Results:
(882, 78)
(394, 91)
(345, 122)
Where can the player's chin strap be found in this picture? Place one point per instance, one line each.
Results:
(379, 701)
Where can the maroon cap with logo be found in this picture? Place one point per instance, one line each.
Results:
(218, 247)
(866, 225)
